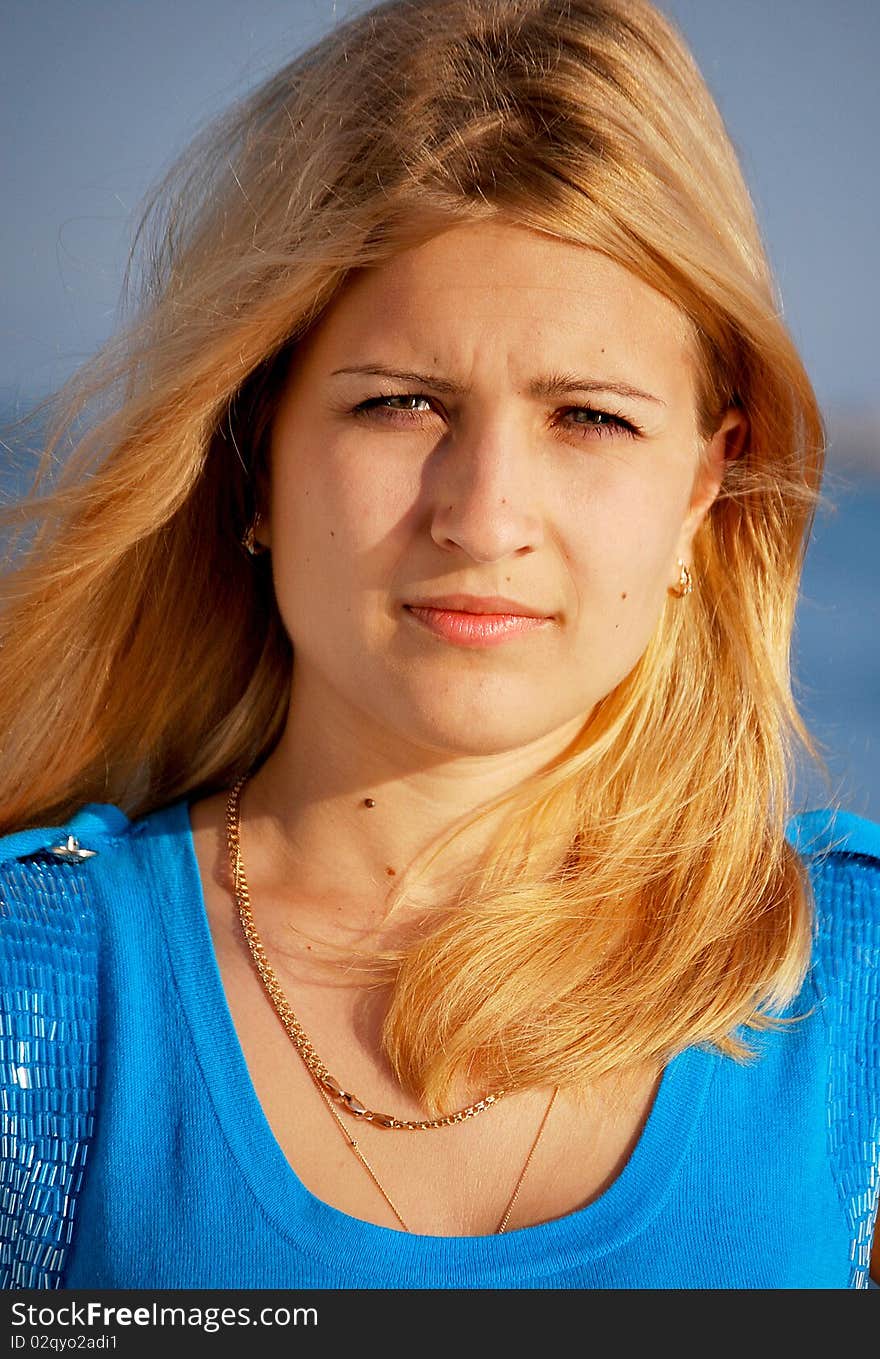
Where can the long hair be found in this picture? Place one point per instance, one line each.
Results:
(142, 657)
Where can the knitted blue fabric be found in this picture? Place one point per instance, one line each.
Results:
(168, 1175)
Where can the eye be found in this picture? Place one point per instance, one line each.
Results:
(376, 406)
(601, 424)
(401, 408)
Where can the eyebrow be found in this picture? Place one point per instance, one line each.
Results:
(551, 385)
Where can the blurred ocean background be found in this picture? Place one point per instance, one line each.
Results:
(98, 97)
(836, 648)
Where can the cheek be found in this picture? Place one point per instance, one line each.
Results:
(621, 556)
(338, 528)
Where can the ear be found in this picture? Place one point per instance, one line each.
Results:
(724, 447)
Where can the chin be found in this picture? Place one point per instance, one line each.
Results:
(460, 745)
(468, 728)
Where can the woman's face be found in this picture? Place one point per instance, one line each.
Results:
(534, 437)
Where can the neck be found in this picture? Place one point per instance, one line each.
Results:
(309, 823)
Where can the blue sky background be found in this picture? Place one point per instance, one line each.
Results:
(99, 95)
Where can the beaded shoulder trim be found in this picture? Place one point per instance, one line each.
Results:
(48, 1056)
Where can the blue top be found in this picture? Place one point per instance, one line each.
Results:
(762, 1175)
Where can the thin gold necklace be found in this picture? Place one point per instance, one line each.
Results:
(329, 1088)
(505, 1216)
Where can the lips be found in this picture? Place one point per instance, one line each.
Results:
(484, 622)
(498, 605)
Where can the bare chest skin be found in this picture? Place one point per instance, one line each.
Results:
(453, 1181)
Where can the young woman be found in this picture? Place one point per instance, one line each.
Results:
(400, 881)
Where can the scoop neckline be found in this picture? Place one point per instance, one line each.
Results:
(386, 1256)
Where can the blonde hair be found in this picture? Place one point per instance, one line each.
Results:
(143, 659)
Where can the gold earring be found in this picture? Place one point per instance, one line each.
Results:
(249, 541)
(685, 583)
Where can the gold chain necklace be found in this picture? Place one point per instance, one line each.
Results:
(330, 1088)
(317, 1069)
(505, 1217)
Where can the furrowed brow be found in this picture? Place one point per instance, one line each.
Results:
(564, 384)
(553, 385)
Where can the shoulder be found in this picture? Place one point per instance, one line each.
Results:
(68, 891)
(76, 894)
(49, 887)
(102, 821)
(842, 854)
(56, 875)
(832, 830)
(98, 830)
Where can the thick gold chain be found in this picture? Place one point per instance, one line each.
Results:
(327, 1084)
(505, 1216)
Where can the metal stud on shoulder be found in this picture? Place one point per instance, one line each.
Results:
(72, 851)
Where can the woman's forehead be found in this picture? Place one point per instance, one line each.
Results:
(483, 292)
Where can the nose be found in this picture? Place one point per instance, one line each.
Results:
(484, 497)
